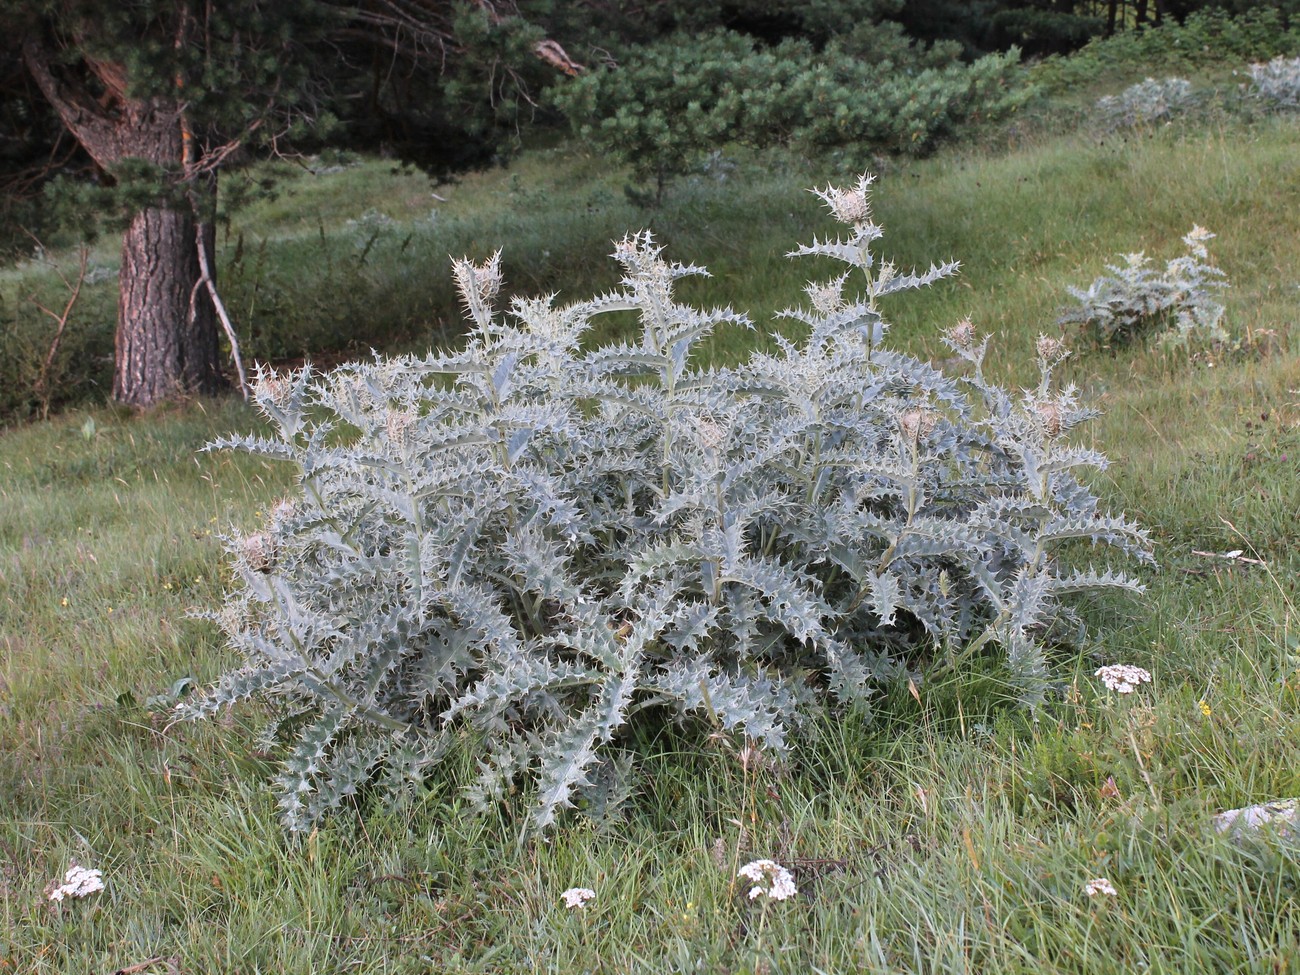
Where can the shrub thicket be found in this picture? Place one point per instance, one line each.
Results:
(1205, 38)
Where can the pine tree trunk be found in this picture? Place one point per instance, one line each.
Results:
(164, 348)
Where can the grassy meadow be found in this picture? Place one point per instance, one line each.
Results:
(950, 834)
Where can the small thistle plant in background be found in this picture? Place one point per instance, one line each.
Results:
(1147, 103)
(1176, 305)
(527, 547)
(1276, 83)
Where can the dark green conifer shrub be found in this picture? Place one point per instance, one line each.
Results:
(672, 102)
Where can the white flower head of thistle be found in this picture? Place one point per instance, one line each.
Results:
(779, 883)
(577, 897)
(78, 882)
(1100, 885)
(1123, 678)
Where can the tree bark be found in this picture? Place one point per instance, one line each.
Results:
(163, 351)
(167, 340)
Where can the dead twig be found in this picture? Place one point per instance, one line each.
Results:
(1234, 556)
(41, 387)
(205, 277)
(173, 966)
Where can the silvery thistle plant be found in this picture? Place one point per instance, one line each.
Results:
(528, 548)
(1179, 304)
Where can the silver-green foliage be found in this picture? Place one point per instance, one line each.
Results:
(1276, 83)
(1147, 103)
(1178, 303)
(533, 547)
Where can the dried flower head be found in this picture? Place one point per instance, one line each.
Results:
(710, 435)
(398, 427)
(283, 509)
(1051, 350)
(231, 618)
(1123, 678)
(78, 882)
(827, 296)
(577, 897)
(770, 879)
(1049, 417)
(962, 335)
(270, 386)
(1100, 885)
(851, 206)
(1195, 240)
(917, 423)
(478, 284)
(258, 550)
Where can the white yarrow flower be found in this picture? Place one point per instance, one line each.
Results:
(577, 897)
(78, 882)
(769, 878)
(1100, 885)
(1123, 678)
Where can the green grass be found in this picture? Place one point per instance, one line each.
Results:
(950, 835)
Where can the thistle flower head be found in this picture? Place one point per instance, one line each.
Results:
(827, 296)
(269, 386)
(283, 509)
(1195, 240)
(638, 253)
(478, 284)
(917, 423)
(851, 206)
(710, 434)
(398, 427)
(770, 879)
(258, 550)
(962, 335)
(1050, 350)
(1123, 678)
(1048, 413)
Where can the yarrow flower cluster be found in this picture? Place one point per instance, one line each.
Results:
(577, 897)
(1123, 678)
(78, 882)
(1100, 885)
(769, 878)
